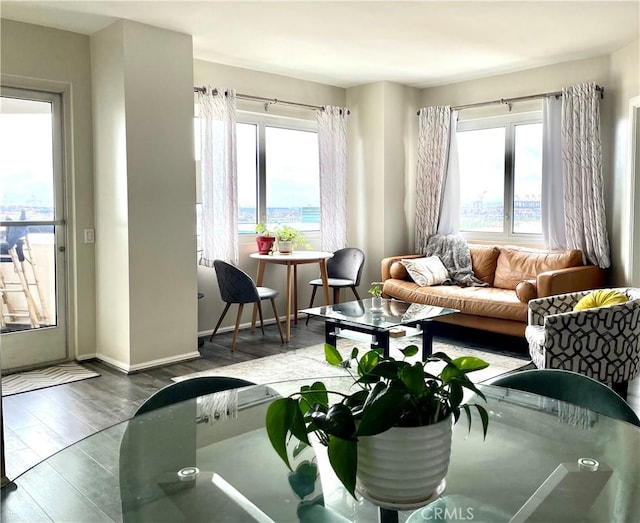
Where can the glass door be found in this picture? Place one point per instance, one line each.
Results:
(32, 232)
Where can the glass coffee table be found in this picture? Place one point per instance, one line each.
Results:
(362, 321)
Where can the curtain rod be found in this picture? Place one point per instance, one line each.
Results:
(267, 101)
(509, 101)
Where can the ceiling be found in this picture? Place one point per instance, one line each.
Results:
(418, 43)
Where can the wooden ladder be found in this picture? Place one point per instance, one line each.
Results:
(25, 279)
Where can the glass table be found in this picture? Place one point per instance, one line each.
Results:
(379, 321)
(210, 460)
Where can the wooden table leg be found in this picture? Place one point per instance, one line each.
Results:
(325, 281)
(295, 294)
(259, 280)
(287, 337)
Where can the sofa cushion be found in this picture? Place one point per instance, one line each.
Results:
(483, 261)
(426, 271)
(481, 301)
(517, 264)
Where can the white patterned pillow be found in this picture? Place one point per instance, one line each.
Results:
(426, 271)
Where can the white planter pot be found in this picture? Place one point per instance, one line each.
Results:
(404, 465)
(285, 247)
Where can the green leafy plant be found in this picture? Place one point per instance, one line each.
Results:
(262, 230)
(388, 393)
(286, 233)
(376, 289)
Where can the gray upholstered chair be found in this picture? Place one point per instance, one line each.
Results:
(236, 286)
(602, 343)
(569, 387)
(344, 271)
(189, 389)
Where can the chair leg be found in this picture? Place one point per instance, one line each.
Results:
(235, 332)
(261, 319)
(313, 295)
(224, 312)
(277, 316)
(355, 293)
(336, 295)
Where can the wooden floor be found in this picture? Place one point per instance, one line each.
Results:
(39, 423)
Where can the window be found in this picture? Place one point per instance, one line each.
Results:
(278, 173)
(501, 177)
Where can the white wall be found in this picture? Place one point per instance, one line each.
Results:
(111, 210)
(266, 85)
(145, 171)
(623, 84)
(49, 59)
(382, 138)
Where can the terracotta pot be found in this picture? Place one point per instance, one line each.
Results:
(404, 465)
(265, 243)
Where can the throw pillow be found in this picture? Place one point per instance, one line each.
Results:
(426, 271)
(600, 298)
(526, 290)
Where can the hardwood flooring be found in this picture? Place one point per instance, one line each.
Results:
(39, 423)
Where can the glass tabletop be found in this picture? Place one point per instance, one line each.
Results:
(391, 313)
(210, 460)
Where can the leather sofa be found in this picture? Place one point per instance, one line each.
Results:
(514, 276)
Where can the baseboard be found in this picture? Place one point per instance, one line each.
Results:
(129, 369)
(246, 325)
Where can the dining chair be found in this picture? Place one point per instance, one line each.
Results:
(189, 389)
(153, 451)
(236, 286)
(344, 270)
(570, 387)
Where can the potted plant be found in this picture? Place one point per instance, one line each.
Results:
(289, 238)
(265, 239)
(376, 291)
(394, 402)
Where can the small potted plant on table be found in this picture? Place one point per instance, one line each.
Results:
(265, 239)
(289, 238)
(395, 402)
(376, 291)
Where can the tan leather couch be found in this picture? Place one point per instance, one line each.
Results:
(514, 274)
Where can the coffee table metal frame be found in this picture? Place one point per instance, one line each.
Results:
(379, 325)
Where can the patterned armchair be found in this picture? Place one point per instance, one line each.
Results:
(602, 343)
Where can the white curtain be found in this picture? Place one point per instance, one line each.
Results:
(582, 164)
(434, 125)
(332, 146)
(552, 200)
(219, 176)
(449, 219)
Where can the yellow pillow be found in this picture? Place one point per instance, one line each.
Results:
(601, 298)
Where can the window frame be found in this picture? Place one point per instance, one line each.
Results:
(509, 123)
(262, 121)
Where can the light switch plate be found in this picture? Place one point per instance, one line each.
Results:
(89, 236)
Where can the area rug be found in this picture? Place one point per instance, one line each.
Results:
(43, 378)
(310, 363)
